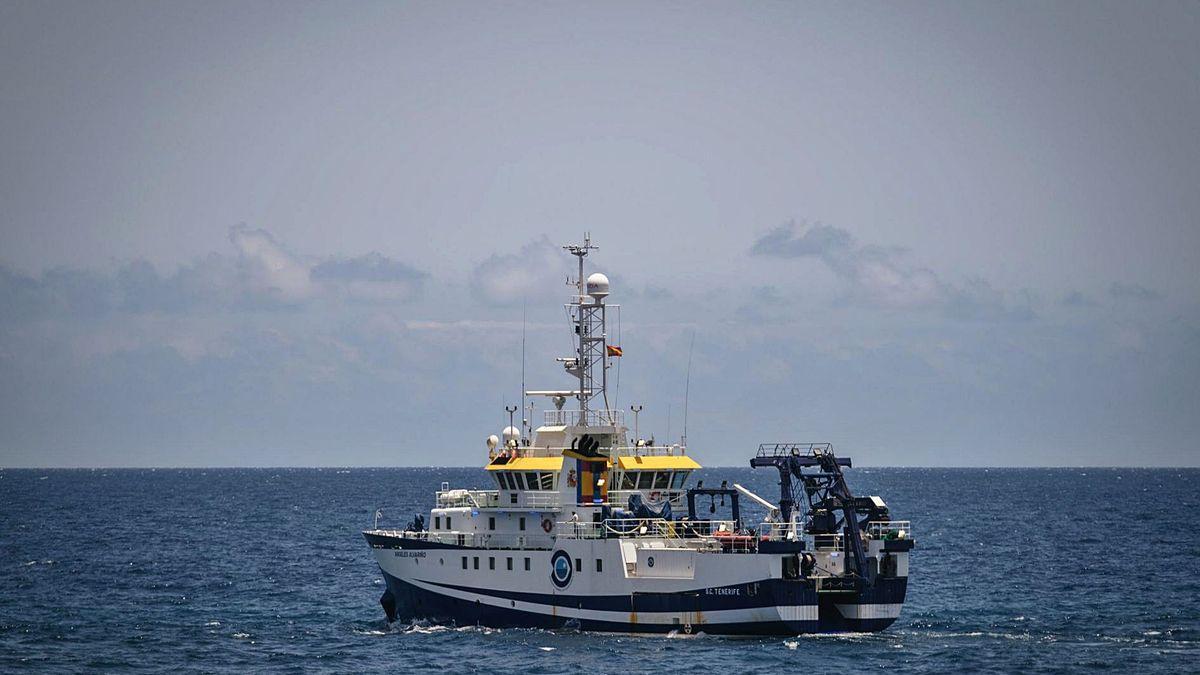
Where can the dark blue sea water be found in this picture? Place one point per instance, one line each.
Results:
(1029, 570)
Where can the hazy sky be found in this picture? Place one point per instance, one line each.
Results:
(302, 234)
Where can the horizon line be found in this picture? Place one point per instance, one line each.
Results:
(472, 466)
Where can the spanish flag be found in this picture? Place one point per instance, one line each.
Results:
(614, 350)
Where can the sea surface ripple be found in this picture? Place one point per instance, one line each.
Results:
(229, 570)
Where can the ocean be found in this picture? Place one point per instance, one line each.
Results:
(235, 570)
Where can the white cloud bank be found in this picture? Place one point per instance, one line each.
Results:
(260, 274)
(882, 277)
(262, 355)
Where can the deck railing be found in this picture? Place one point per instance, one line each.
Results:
(490, 499)
(448, 499)
(489, 540)
(620, 498)
(538, 499)
(648, 450)
(618, 451)
(590, 418)
(828, 542)
(656, 528)
(889, 529)
(793, 449)
(781, 531)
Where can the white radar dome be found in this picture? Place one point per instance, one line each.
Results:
(492, 442)
(597, 285)
(511, 434)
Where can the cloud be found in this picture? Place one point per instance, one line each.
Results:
(263, 274)
(1077, 299)
(268, 272)
(232, 358)
(370, 277)
(823, 241)
(214, 281)
(1122, 291)
(370, 267)
(80, 293)
(537, 270)
(877, 276)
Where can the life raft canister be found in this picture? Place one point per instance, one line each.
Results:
(547, 525)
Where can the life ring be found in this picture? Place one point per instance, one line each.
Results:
(547, 525)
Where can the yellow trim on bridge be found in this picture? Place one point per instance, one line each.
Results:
(657, 462)
(529, 464)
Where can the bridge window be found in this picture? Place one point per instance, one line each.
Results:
(662, 480)
(437, 522)
(464, 562)
(579, 564)
(491, 522)
(645, 478)
(599, 565)
(528, 480)
(491, 562)
(476, 562)
(521, 525)
(678, 479)
(448, 523)
(509, 563)
(628, 481)
(527, 564)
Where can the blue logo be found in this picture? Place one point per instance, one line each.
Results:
(560, 569)
(650, 561)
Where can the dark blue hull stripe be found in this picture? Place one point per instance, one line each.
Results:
(765, 593)
(407, 601)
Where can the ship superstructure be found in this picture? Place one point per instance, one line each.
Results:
(590, 527)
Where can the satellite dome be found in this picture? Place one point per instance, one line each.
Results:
(597, 285)
(492, 442)
(511, 434)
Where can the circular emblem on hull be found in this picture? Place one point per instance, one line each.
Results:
(650, 561)
(560, 569)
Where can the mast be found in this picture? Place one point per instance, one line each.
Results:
(587, 311)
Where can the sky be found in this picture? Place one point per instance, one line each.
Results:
(315, 234)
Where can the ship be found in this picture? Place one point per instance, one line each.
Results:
(588, 527)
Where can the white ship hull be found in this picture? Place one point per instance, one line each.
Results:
(649, 587)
